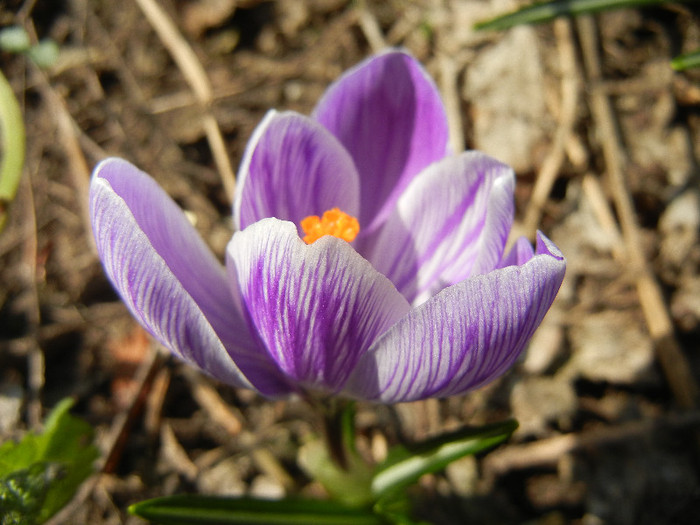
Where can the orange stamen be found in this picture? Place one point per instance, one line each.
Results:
(334, 222)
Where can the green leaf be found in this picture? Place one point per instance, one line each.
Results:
(44, 54)
(23, 492)
(686, 61)
(13, 146)
(41, 473)
(547, 11)
(405, 465)
(14, 39)
(209, 510)
(397, 509)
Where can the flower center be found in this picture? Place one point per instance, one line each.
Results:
(334, 222)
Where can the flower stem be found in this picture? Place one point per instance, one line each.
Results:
(339, 431)
(333, 459)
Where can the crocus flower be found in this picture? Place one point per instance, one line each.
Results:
(402, 288)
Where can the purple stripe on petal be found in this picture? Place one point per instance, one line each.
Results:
(464, 337)
(451, 223)
(387, 112)
(316, 307)
(170, 280)
(293, 167)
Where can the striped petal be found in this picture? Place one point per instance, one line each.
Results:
(519, 254)
(451, 223)
(464, 337)
(170, 280)
(388, 114)
(317, 308)
(294, 168)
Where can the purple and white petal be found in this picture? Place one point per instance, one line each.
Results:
(387, 113)
(169, 278)
(519, 254)
(451, 223)
(292, 168)
(464, 337)
(317, 307)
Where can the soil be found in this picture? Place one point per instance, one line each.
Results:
(604, 137)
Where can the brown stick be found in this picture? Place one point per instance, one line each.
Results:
(569, 101)
(671, 358)
(197, 78)
(547, 452)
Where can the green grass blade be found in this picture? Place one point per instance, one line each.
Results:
(209, 510)
(686, 61)
(547, 11)
(405, 465)
(13, 147)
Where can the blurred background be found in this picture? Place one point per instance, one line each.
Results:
(604, 137)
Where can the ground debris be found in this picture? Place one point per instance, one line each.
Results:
(601, 438)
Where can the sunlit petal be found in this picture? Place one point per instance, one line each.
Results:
(317, 307)
(464, 337)
(293, 168)
(451, 223)
(169, 278)
(387, 112)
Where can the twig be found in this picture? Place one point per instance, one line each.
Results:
(270, 465)
(116, 437)
(122, 424)
(547, 452)
(25, 11)
(68, 133)
(210, 400)
(176, 455)
(197, 78)
(370, 28)
(410, 20)
(555, 158)
(86, 488)
(156, 400)
(448, 90)
(35, 355)
(673, 362)
(593, 191)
